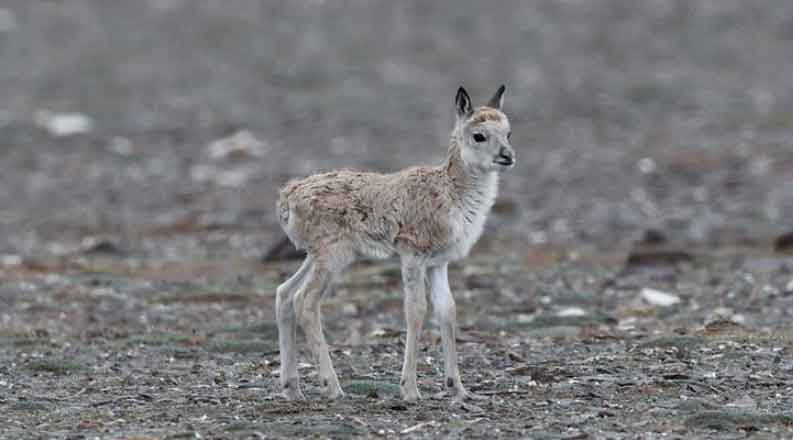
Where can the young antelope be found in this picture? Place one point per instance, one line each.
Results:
(428, 216)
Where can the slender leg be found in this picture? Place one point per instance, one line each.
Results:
(307, 305)
(287, 328)
(415, 308)
(446, 313)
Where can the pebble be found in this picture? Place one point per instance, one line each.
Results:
(659, 298)
(121, 146)
(64, 124)
(746, 402)
(646, 165)
(722, 313)
(11, 260)
(728, 314)
(571, 311)
(242, 143)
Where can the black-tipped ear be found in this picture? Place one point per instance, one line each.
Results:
(462, 102)
(498, 99)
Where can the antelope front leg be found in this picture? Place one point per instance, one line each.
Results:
(307, 306)
(446, 313)
(415, 308)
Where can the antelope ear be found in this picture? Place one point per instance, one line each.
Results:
(462, 102)
(498, 99)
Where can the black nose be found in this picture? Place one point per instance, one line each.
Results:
(505, 156)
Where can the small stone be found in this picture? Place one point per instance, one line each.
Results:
(659, 298)
(784, 242)
(653, 237)
(722, 313)
(760, 166)
(571, 311)
(96, 245)
(241, 143)
(64, 124)
(745, 402)
(646, 165)
(121, 146)
(538, 237)
(700, 194)
(11, 260)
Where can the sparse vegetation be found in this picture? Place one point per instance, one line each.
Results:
(57, 366)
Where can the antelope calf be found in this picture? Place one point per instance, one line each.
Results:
(428, 216)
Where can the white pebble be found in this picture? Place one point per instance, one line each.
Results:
(646, 165)
(571, 311)
(64, 124)
(11, 260)
(659, 298)
(242, 142)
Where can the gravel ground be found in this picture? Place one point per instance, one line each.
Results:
(627, 285)
(568, 348)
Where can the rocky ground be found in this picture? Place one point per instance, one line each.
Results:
(634, 281)
(573, 346)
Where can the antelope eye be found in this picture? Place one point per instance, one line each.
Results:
(479, 137)
(509, 135)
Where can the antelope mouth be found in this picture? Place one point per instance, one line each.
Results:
(504, 161)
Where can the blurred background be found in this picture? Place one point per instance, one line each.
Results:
(163, 128)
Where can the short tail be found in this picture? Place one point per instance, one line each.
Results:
(282, 208)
